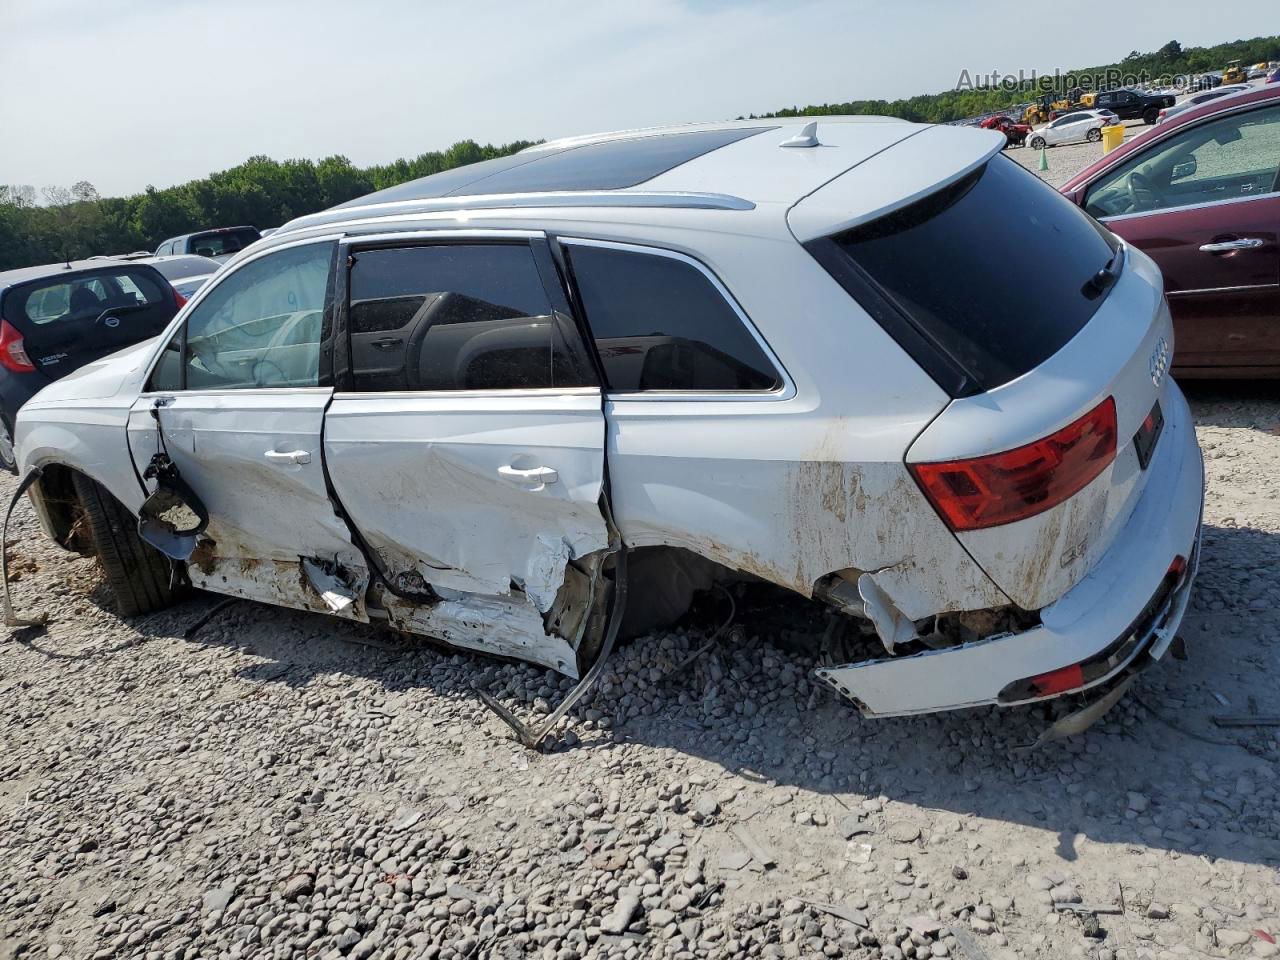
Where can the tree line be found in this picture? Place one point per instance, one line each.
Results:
(1169, 61)
(70, 222)
(74, 222)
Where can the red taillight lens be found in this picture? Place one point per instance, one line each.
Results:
(13, 355)
(1019, 483)
(182, 301)
(1059, 681)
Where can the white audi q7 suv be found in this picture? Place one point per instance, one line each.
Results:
(516, 404)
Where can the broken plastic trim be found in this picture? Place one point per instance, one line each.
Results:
(172, 518)
(1123, 650)
(531, 738)
(10, 620)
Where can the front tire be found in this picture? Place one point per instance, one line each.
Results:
(1037, 143)
(1150, 116)
(140, 576)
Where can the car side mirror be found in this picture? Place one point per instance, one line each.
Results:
(1184, 166)
(1230, 135)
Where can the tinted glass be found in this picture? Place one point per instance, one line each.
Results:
(221, 243)
(1231, 157)
(458, 317)
(176, 268)
(608, 165)
(945, 262)
(661, 324)
(263, 325)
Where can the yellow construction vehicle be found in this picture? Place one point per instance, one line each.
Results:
(1087, 100)
(1234, 73)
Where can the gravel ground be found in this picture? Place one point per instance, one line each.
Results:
(286, 785)
(1069, 159)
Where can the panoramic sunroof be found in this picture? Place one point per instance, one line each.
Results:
(607, 165)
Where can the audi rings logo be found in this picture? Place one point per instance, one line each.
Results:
(1159, 362)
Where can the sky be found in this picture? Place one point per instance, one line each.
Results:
(127, 93)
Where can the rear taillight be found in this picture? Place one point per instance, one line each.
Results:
(182, 301)
(13, 355)
(1019, 483)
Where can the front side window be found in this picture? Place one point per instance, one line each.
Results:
(1231, 157)
(465, 316)
(659, 323)
(260, 327)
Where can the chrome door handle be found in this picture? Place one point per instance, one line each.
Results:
(1225, 246)
(533, 475)
(288, 456)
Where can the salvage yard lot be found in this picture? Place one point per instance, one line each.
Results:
(288, 785)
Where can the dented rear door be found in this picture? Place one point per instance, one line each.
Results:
(466, 442)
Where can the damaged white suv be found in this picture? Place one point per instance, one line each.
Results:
(479, 405)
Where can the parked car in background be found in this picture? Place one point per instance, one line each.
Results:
(186, 273)
(1132, 104)
(1015, 133)
(1075, 127)
(1203, 97)
(1274, 76)
(56, 318)
(1201, 195)
(624, 306)
(219, 244)
(1258, 71)
(1206, 81)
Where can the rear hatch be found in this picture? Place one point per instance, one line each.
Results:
(68, 320)
(1054, 341)
(223, 243)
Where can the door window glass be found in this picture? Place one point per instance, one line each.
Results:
(263, 325)
(660, 324)
(458, 317)
(1233, 156)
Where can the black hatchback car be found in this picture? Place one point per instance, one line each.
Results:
(58, 317)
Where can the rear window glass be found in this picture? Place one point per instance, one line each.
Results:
(85, 297)
(994, 269)
(221, 243)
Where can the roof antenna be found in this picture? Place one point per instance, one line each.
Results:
(807, 137)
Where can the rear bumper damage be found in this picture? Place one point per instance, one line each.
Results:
(1119, 618)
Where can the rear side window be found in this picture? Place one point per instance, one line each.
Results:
(945, 262)
(458, 317)
(115, 297)
(661, 324)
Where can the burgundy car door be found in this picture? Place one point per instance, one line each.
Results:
(1221, 265)
(1203, 204)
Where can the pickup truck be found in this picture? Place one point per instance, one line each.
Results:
(1131, 104)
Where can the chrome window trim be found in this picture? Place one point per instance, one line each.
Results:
(1189, 206)
(449, 231)
(247, 392)
(784, 392)
(206, 288)
(497, 394)
(1246, 286)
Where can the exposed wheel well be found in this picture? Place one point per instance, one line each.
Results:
(59, 508)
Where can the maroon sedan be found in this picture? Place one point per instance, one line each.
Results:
(1200, 194)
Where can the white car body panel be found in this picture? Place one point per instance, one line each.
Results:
(435, 484)
(1075, 131)
(792, 486)
(1098, 609)
(262, 509)
(1109, 357)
